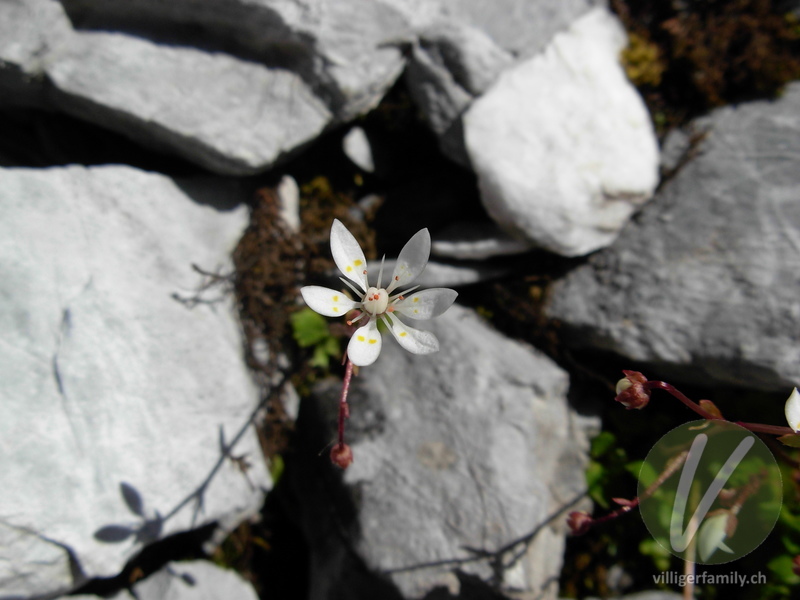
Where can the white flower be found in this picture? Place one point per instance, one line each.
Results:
(376, 302)
(792, 410)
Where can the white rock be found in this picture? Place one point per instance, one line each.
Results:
(562, 144)
(356, 146)
(476, 241)
(107, 379)
(289, 197)
(194, 580)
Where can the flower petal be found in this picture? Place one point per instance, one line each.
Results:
(412, 260)
(792, 409)
(427, 303)
(348, 255)
(365, 345)
(326, 301)
(415, 341)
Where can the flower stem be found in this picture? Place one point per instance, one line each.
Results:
(344, 409)
(662, 385)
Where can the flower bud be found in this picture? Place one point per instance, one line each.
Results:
(713, 533)
(792, 410)
(341, 455)
(632, 391)
(579, 522)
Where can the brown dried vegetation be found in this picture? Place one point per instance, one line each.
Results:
(688, 57)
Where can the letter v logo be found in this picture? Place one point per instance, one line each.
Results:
(680, 538)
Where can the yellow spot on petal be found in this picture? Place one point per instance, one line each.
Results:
(372, 341)
(415, 311)
(403, 334)
(335, 308)
(361, 338)
(336, 298)
(358, 263)
(349, 269)
(416, 299)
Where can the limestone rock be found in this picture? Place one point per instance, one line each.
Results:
(337, 47)
(562, 144)
(705, 281)
(120, 385)
(228, 115)
(476, 241)
(194, 580)
(470, 447)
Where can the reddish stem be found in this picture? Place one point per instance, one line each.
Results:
(754, 427)
(344, 410)
(761, 428)
(662, 385)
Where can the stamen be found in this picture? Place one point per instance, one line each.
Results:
(380, 272)
(356, 319)
(400, 295)
(358, 292)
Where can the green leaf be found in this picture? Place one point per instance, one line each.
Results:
(790, 439)
(320, 358)
(308, 327)
(276, 465)
(602, 443)
(595, 477)
(643, 471)
(660, 556)
(781, 567)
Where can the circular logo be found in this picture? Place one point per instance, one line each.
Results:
(710, 491)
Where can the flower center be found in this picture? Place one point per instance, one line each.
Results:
(376, 301)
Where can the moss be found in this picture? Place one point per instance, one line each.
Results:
(642, 61)
(687, 58)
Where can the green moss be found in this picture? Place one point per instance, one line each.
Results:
(642, 61)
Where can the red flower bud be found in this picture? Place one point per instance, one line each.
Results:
(579, 522)
(341, 455)
(632, 391)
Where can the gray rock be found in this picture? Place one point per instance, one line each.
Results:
(520, 27)
(228, 115)
(468, 448)
(562, 144)
(705, 281)
(451, 64)
(460, 53)
(117, 395)
(30, 31)
(336, 46)
(476, 241)
(203, 80)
